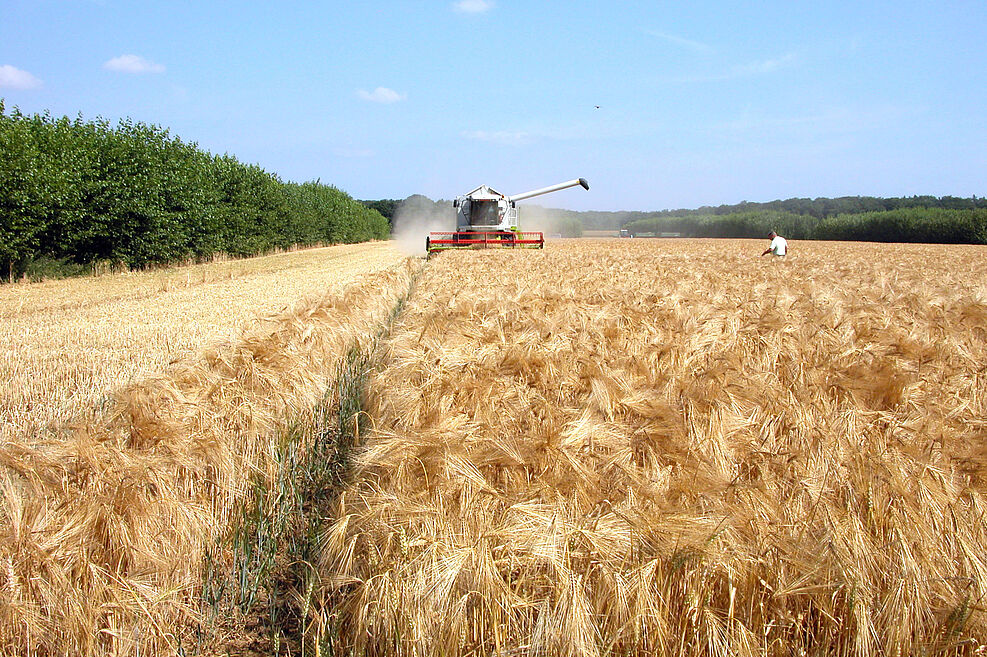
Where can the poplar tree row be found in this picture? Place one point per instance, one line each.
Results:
(84, 191)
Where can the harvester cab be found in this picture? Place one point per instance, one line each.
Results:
(485, 219)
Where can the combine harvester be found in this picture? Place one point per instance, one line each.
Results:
(486, 219)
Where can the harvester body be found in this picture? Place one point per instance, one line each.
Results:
(485, 218)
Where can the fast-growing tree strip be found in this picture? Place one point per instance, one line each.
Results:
(77, 191)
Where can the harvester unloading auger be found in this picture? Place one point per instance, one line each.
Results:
(486, 219)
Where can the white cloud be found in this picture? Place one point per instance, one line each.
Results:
(500, 137)
(381, 95)
(698, 46)
(14, 78)
(473, 6)
(133, 64)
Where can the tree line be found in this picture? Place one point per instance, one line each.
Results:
(930, 219)
(78, 192)
(817, 208)
(909, 224)
(945, 219)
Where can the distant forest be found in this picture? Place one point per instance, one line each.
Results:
(74, 193)
(929, 219)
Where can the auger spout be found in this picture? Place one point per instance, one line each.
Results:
(549, 190)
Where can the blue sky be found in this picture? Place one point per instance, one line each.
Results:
(699, 103)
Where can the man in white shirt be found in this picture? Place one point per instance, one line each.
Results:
(779, 245)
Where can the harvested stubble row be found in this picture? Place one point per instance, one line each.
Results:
(64, 343)
(668, 447)
(103, 531)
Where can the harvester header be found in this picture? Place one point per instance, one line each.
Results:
(485, 218)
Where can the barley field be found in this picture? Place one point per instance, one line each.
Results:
(643, 447)
(629, 447)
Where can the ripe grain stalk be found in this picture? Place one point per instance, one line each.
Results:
(262, 587)
(673, 447)
(105, 529)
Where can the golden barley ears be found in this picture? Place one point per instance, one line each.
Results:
(102, 531)
(670, 447)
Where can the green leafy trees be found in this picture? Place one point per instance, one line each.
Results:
(20, 181)
(84, 191)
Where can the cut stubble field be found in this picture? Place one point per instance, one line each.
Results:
(605, 447)
(65, 344)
